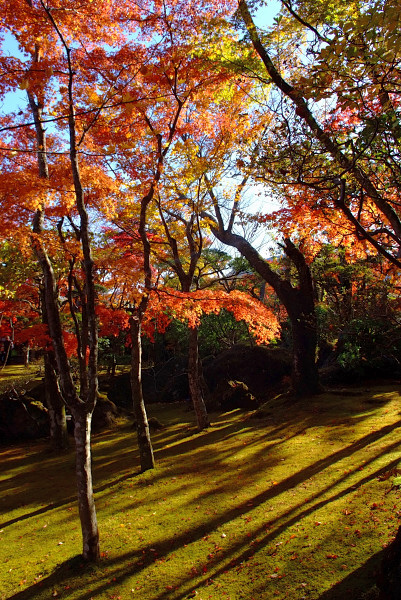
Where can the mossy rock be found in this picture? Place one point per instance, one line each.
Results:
(167, 382)
(234, 394)
(260, 368)
(22, 418)
(105, 413)
(153, 422)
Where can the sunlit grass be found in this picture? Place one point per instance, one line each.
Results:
(19, 376)
(292, 505)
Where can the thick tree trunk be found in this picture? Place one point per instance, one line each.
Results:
(299, 303)
(55, 405)
(86, 504)
(142, 425)
(194, 376)
(305, 376)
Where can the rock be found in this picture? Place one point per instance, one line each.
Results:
(105, 413)
(22, 418)
(153, 423)
(235, 394)
(259, 368)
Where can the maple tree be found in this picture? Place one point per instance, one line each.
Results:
(131, 94)
(55, 41)
(337, 123)
(134, 121)
(206, 160)
(338, 127)
(181, 221)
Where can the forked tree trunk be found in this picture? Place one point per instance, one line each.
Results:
(142, 425)
(194, 380)
(299, 302)
(86, 504)
(81, 408)
(55, 405)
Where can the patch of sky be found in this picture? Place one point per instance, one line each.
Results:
(257, 197)
(266, 13)
(15, 100)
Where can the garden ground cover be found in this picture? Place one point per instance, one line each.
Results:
(298, 503)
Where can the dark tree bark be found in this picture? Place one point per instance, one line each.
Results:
(55, 405)
(142, 425)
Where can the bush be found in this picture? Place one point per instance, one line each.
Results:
(369, 347)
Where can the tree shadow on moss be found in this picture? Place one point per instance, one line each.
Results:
(358, 585)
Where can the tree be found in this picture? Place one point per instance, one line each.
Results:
(181, 224)
(346, 155)
(52, 67)
(22, 292)
(207, 160)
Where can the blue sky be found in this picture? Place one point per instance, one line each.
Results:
(266, 13)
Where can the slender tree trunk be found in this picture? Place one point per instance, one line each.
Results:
(86, 504)
(113, 367)
(194, 379)
(142, 425)
(26, 350)
(54, 398)
(81, 407)
(55, 405)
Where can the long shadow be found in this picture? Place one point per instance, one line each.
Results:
(42, 454)
(286, 484)
(74, 566)
(68, 500)
(265, 538)
(166, 546)
(362, 579)
(142, 557)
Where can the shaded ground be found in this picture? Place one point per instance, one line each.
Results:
(296, 504)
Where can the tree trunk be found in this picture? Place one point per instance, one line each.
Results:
(86, 504)
(142, 425)
(26, 350)
(299, 303)
(55, 405)
(81, 407)
(305, 375)
(194, 376)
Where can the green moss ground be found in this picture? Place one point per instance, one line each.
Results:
(297, 504)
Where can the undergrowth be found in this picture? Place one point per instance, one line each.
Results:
(297, 503)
